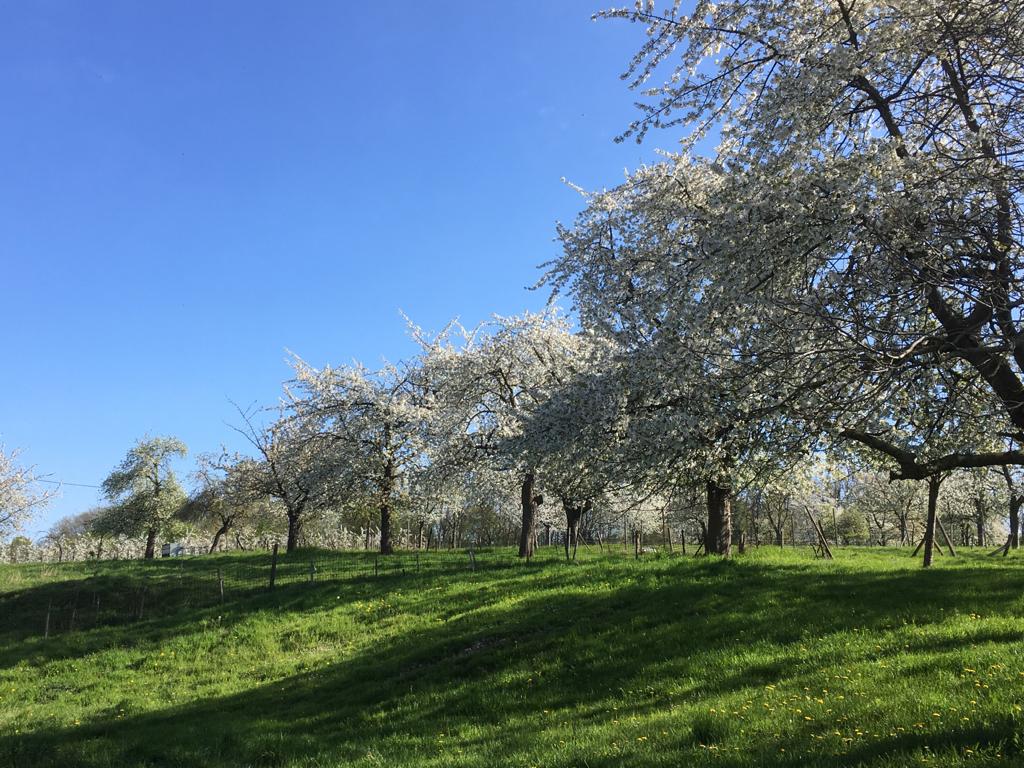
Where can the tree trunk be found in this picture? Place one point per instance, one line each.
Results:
(387, 488)
(979, 520)
(150, 544)
(573, 516)
(929, 532)
(1015, 505)
(719, 537)
(419, 536)
(294, 527)
(217, 536)
(385, 529)
(530, 501)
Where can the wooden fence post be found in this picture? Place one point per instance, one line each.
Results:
(273, 566)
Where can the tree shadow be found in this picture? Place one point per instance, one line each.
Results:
(156, 600)
(485, 675)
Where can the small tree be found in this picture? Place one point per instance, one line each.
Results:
(375, 422)
(853, 527)
(297, 467)
(143, 492)
(19, 493)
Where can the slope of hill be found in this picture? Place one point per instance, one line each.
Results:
(772, 659)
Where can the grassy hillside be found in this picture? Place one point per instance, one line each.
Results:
(772, 659)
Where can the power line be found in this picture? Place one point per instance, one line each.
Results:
(61, 482)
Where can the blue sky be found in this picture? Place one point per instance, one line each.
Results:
(189, 189)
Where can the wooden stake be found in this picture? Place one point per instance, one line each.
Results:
(825, 551)
(1004, 548)
(945, 535)
(273, 566)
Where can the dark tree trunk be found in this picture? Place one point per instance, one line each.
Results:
(385, 529)
(419, 536)
(929, 532)
(387, 488)
(150, 544)
(573, 516)
(294, 528)
(530, 501)
(778, 536)
(719, 537)
(1015, 505)
(224, 528)
(979, 520)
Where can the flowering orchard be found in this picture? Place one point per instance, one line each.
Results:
(765, 334)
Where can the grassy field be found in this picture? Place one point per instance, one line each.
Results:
(771, 659)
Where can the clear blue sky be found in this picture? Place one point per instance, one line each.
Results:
(189, 189)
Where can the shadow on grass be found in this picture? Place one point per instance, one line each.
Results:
(486, 677)
(151, 601)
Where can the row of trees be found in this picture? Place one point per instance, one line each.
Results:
(852, 507)
(454, 447)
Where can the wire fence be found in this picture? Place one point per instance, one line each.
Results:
(84, 595)
(148, 590)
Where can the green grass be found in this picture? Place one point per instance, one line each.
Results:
(772, 659)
